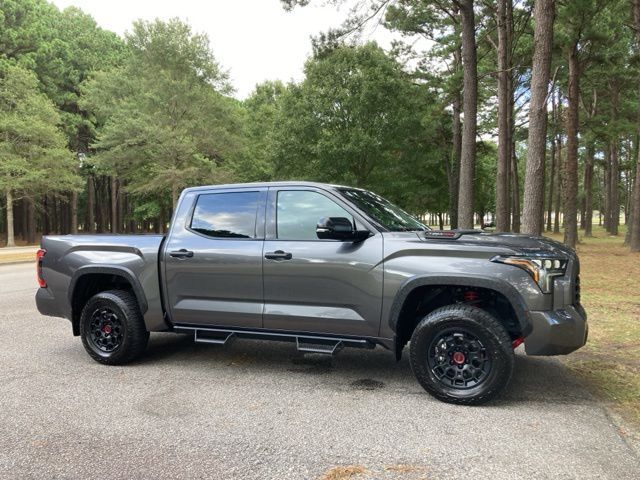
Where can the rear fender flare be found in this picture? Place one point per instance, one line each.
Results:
(120, 271)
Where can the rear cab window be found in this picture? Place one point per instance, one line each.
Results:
(226, 215)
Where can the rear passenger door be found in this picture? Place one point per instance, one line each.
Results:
(213, 260)
(314, 285)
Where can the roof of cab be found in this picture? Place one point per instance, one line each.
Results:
(265, 184)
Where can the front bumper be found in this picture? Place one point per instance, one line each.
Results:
(557, 332)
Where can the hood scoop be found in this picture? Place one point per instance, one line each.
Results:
(449, 234)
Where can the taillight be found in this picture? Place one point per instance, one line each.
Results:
(41, 253)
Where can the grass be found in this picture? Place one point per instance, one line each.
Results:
(17, 257)
(610, 362)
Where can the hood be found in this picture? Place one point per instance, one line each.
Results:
(517, 243)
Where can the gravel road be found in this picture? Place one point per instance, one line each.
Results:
(259, 410)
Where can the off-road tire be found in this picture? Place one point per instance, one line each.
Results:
(487, 329)
(134, 336)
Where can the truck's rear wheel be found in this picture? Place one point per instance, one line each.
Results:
(112, 328)
(461, 354)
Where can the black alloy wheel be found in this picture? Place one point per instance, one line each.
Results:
(112, 328)
(107, 330)
(462, 354)
(459, 359)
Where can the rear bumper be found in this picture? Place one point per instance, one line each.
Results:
(47, 304)
(557, 332)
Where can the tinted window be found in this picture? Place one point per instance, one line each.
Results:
(226, 215)
(298, 212)
(382, 211)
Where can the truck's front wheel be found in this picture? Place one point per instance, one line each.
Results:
(461, 354)
(112, 328)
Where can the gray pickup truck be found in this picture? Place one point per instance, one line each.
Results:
(326, 267)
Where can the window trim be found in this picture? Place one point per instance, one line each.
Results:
(259, 218)
(271, 229)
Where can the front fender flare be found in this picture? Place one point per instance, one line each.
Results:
(491, 283)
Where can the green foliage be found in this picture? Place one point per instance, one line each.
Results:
(166, 124)
(33, 157)
(62, 48)
(485, 191)
(358, 119)
(262, 109)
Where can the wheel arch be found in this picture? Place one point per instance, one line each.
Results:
(92, 279)
(413, 287)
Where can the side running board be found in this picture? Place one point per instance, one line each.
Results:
(305, 342)
(315, 346)
(216, 341)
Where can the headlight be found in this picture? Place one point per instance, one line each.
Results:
(542, 269)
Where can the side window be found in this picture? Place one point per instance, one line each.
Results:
(298, 212)
(226, 215)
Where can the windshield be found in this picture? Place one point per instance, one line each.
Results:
(385, 213)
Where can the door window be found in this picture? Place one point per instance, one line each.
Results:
(226, 215)
(298, 212)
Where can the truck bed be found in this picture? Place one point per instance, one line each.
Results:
(86, 258)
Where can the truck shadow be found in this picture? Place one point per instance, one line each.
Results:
(536, 379)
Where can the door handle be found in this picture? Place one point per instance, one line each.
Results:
(278, 255)
(182, 253)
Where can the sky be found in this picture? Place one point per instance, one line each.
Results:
(255, 40)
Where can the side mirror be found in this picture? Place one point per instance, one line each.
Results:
(339, 228)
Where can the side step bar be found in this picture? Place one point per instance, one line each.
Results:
(305, 342)
(315, 346)
(216, 341)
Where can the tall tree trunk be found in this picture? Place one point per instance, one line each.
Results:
(46, 227)
(515, 191)
(91, 205)
(20, 221)
(31, 221)
(504, 127)
(588, 192)
(570, 177)
(470, 108)
(11, 241)
(53, 212)
(606, 204)
(174, 195)
(552, 172)
(74, 212)
(121, 222)
(634, 221)
(454, 179)
(634, 227)
(544, 15)
(614, 200)
(103, 202)
(114, 203)
(614, 174)
(559, 169)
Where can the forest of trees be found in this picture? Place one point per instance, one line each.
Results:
(526, 113)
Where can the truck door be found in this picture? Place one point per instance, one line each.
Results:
(313, 285)
(213, 258)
